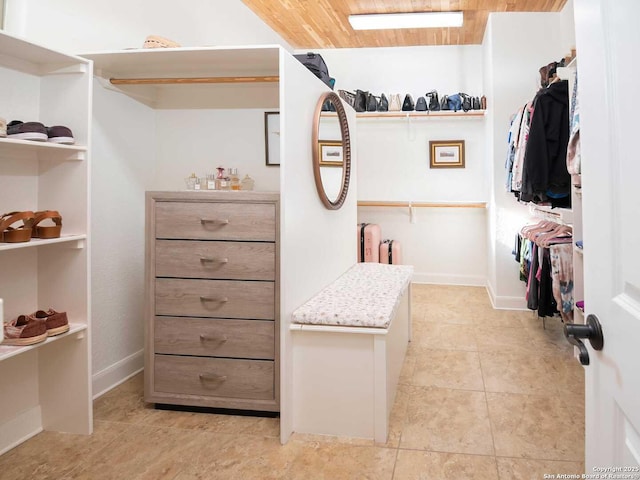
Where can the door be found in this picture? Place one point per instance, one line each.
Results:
(608, 42)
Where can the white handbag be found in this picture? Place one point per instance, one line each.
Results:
(395, 103)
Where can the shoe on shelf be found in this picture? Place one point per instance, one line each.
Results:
(24, 330)
(3, 127)
(18, 130)
(47, 231)
(22, 233)
(156, 41)
(60, 134)
(56, 322)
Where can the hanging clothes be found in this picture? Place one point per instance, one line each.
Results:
(546, 266)
(573, 150)
(545, 176)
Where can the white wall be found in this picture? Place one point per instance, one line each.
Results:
(123, 130)
(444, 245)
(516, 46)
(198, 141)
(317, 244)
(82, 26)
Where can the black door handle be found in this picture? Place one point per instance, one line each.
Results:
(592, 330)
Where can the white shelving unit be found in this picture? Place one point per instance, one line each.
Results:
(46, 386)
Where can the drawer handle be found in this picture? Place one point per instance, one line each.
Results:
(213, 299)
(204, 221)
(212, 378)
(210, 338)
(213, 260)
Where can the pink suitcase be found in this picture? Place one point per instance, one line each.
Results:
(390, 252)
(369, 242)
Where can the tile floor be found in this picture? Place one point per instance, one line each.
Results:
(484, 394)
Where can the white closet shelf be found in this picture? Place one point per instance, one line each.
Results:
(200, 77)
(37, 242)
(7, 351)
(10, 147)
(558, 215)
(34, 59)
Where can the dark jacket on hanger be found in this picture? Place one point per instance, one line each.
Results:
(545, 175)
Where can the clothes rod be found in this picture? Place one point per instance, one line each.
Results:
(367, 203)
(187, 81)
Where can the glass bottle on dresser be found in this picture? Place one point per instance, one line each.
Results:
(235, 179)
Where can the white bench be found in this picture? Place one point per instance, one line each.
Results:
(349, 343)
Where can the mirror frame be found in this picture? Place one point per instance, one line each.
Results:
(346, 146)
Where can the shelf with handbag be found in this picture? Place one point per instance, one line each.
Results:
(457, 105)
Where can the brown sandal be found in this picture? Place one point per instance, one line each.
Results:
(9, 234)
(49, 231)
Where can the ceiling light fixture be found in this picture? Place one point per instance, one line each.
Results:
(383, 21)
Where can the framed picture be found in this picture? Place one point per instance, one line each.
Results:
(446, 154)
(272, 138)
(331, 153)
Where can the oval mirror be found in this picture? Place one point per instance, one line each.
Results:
(331, 151)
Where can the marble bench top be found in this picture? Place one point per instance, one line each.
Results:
(366, 295)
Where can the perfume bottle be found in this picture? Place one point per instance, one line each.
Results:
(191, 181)
(211, 181)
(235, 179)
(247, 183)
(197, 184)
(221, 183)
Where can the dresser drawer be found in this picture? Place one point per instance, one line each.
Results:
(220, 377)
(211, 259)
(215, 298)
(214, 337)
(216, 221)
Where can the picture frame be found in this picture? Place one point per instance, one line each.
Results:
(331, 153)
(272, 138)
(446, 154)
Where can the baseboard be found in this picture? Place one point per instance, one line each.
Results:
(450, 279)
(20, 429)
(119, 372)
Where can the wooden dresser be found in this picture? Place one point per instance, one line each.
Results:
(212, 316)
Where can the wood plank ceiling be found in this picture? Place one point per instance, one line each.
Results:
(313, 24)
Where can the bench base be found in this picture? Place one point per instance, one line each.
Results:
(345, 378)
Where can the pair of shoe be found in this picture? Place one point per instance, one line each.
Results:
(36, 131)
(35, 328)
(30, 228)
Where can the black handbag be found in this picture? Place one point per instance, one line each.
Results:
(328, 106)
(348, 97)
(444, 104)
(383, 104)
(434, 103)
(421, 105)
(475, 103)
(360, 104)
(372, 103)
(407, 105)
(466, 102)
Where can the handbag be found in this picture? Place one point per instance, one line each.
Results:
(361, 101)
(348, 97)
(395, 104)
(455, 102)
(444, 103)
(434, 103)
(372, 103)
(383, 104)
(421, 105)
(407, 105)
(466, 102)
(483, 102)
(475, 103)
